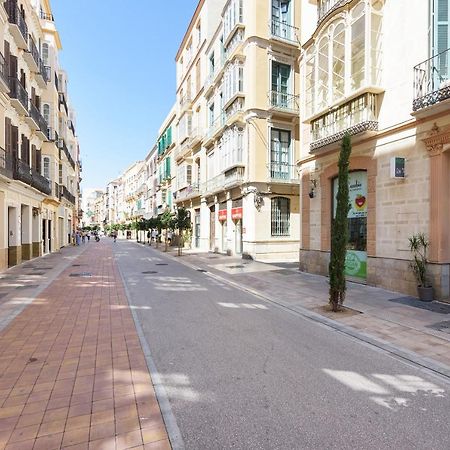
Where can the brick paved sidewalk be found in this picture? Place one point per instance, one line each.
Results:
(398, 320)
(72, 371)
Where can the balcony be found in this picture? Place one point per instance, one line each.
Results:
(63, 148)
(354, 117)
(52, 135)
(65, 193)
(214, 129)
(284, 103)
(18, 26)
(45, 16)
(284, 173)
(4, 79)
(185, 103)
(62, 101)
(72, 127)
(56, 191)
(227, 180)
(326, 7)
(28, 175)
(6, 164)
(19, 96)
(36, 122)
(44, 75)
(31, 56)
(284, 32)
(432, 83)
(191, 191)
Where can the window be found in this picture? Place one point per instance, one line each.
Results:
(45, 54)
(233, 81)
(233, 15)
(280, 216)
(282, 19)
(211, 114)
(46, 113)
(231, 148)
(280, 84)
(440, 36)
(212, 65)
(280, 154)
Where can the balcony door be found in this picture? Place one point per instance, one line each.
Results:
(280, 154)
(280, 84)
(281, 11)
(440, 40)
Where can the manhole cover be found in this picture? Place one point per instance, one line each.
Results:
(81, 274)
(202, 270)
(236, 267)
(149, 272)
(161, 264)
(441, 326)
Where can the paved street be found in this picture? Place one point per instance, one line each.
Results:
(229, 369)
(241, 372)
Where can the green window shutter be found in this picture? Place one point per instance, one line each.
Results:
(169, 136)
(168, 166)
(169, 199)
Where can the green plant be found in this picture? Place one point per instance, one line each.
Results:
(182, 222)
(418, 245)
(339, 230)
(166, 220)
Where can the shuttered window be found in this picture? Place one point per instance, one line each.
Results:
(280, 216)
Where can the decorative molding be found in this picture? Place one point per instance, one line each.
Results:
(436, 139)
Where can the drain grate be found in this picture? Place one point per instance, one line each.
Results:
(436, 307)
(149, 272)
(78, 265)
(202, 270)
(81, 274)
(236, 267)
(161, 264)
(444, 326)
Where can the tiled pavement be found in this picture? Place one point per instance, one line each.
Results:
(398, 320)
(72, 371)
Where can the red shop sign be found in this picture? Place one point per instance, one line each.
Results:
(222, 215)
(236, 213)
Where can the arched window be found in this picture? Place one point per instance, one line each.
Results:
(281, 213)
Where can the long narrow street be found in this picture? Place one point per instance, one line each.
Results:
(243, 373)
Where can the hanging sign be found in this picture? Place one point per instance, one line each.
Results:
(236, 213)
(222, 215)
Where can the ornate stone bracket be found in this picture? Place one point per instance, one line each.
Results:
(436, 140)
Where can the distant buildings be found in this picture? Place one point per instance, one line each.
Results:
(40, 166)
(266, 89)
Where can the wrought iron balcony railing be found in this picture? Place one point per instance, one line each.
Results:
(17, 91)
(37, 117)
(52, 135)
(432, 81)
(191, 190)
(62, 146)
(62, 101)
(41, 183)
(284, 101)
(354, 117)
(284, 31)
(72, 127)
(15, 17)
(34, 51)
(45, 71)
(282, 172)
(68, 195)
(6, 163)
(45, 16)
(28, 175)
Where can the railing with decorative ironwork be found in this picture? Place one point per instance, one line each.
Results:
(52, 135)
(216, 125)
(18, 92)
(432, 81)
(41, 183)
(72, 127)
(45, 71)
(326, 7)
(283, 30)
(37, 117)
(3, 69)
(356, 116)
(15, 17)
(28, 175)
(6, 163)
(34, 51)
(232, 177)
(63, 147)
(67, 195)
(191, 190)
(284, 101)
(282, 172)
(46, 16)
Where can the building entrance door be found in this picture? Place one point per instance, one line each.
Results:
(356, 259)
(197, 228)
(238, 237)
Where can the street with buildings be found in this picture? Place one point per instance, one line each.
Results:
(221, 338)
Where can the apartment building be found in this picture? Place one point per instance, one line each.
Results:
(237, 171)
(39, 175)
(377, 70)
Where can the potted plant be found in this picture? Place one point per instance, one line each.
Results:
(418, 245)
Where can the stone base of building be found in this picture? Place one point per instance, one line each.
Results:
(14, 255)
(3, 259)
(37, 249)
(27, 252)
(282, 251)
(387, 273)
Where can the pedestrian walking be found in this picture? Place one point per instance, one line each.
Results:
(88, 235)
(149, 235)
(169, 237)
(154, 234)
(78, 237)
(83, 237)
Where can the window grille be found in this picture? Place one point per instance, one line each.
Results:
(280, 216)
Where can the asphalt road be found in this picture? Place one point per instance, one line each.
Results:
(242, 373)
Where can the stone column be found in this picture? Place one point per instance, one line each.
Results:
(26, 232)
(37, 235)
(14, 246)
